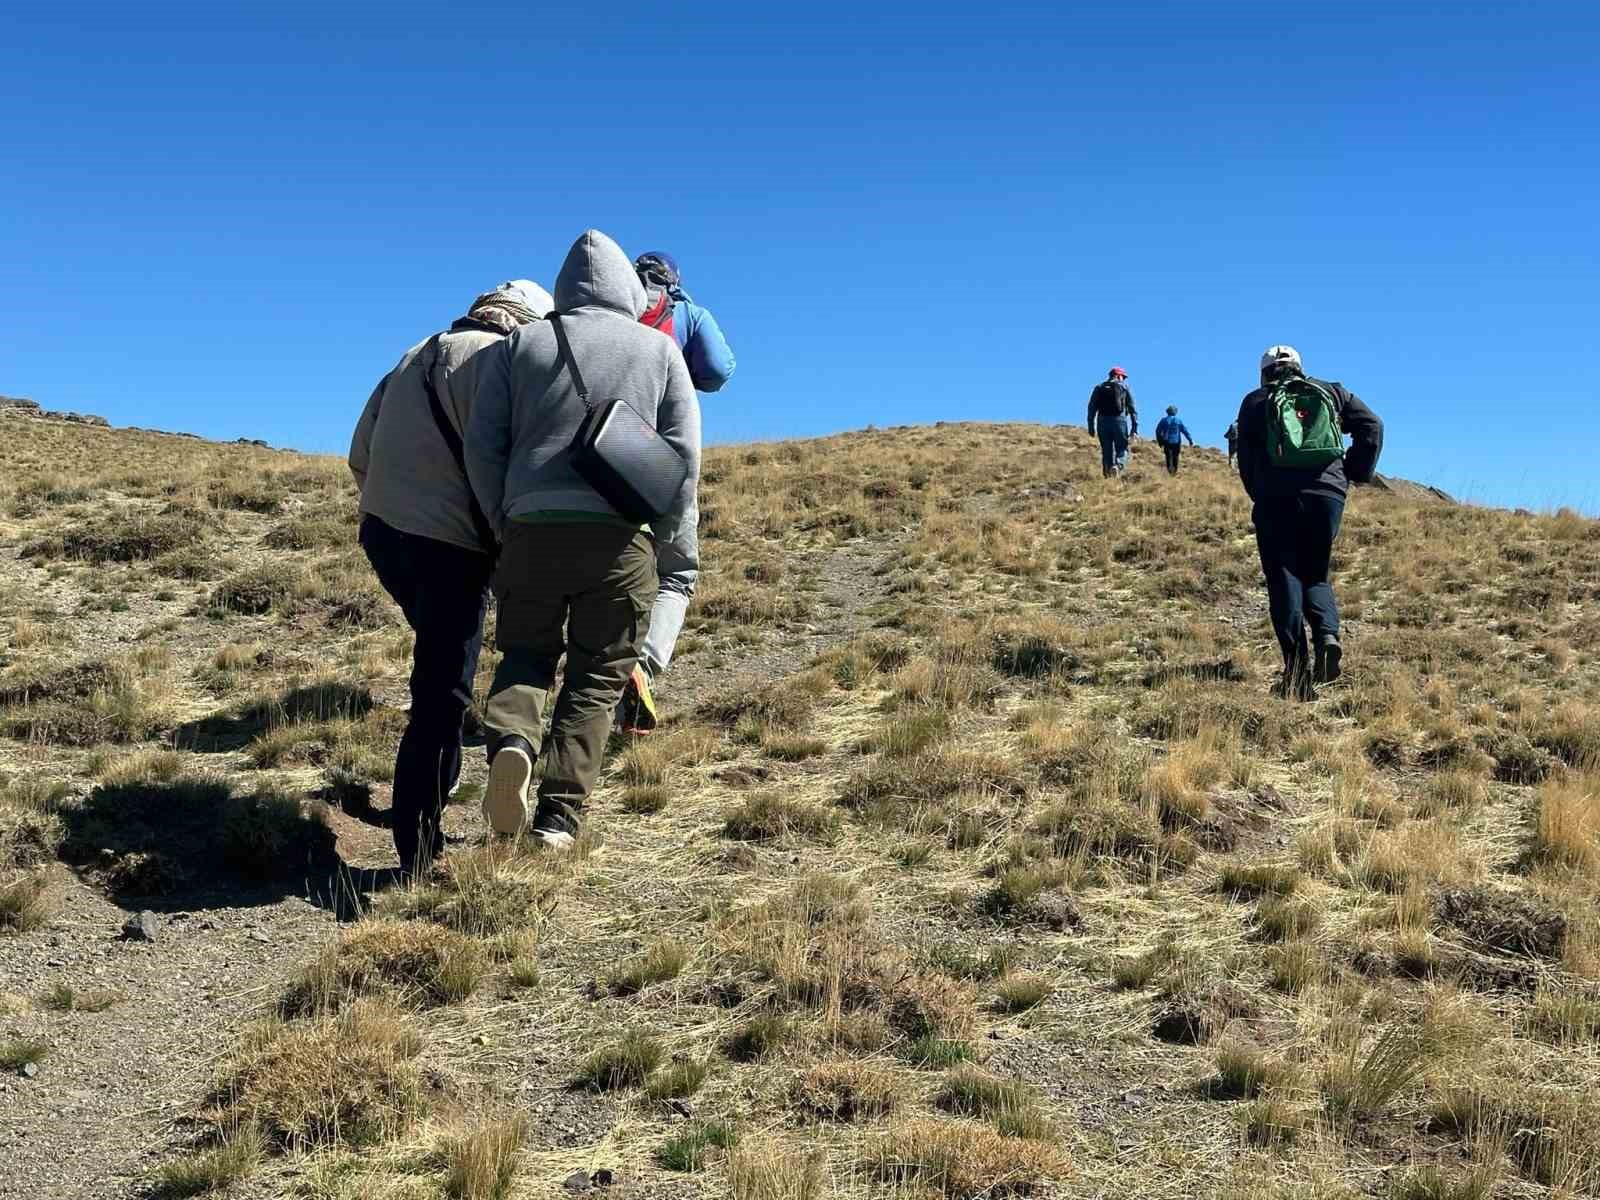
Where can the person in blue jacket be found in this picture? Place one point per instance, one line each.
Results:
(1170, 433)
(711, 364)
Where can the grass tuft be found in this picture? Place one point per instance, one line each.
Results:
(664, 960)
(624, 1063)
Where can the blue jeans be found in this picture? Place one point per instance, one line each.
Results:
(1295, 538)
(441, 590)
(1113, 443)
(678, 562)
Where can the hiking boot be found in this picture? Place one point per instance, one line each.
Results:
(1329, 654)
(505, 797)
(636, 713)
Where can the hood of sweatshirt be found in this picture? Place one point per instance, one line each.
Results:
(597, 274)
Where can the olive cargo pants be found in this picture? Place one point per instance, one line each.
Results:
(583, 588)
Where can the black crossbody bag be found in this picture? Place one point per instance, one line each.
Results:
(620, 454)
(452, 439)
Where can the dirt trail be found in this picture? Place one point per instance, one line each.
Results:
(111, 1099)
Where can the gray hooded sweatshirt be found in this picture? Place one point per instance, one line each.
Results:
(407, 476)
(527, 410)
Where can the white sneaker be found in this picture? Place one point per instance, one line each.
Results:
(554, 839)
(505, 797)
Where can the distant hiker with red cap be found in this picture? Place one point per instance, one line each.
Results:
(711, 365)
(1294, 465)
(1113, 416)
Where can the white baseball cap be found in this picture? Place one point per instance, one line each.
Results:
(1285, 356)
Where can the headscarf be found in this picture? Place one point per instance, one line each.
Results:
(506, 306)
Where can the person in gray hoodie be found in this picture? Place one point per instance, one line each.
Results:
(575, 577)
(420, 533)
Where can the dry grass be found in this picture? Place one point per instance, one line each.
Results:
(417, 965)
(1567, 823)
(213, 1169)
(1024, 778)
(658, 964)
(624, 1063)
(350, 1079)
(965, 1162)
(481, 1164)
(771, 1171)
(847, 1091)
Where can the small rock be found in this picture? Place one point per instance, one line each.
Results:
(257, 936)
(29, 1070)
(479, 1039)
(578, 1181)
(141, 927)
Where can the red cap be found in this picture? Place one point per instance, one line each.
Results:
(1119, 372)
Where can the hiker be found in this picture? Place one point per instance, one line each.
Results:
(432, 552)
(1170, 432)
(1113, 416)
(1294, 465)
(1233, 442)
(576, 575)
(711, 364)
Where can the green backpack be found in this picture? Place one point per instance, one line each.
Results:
(1302, 425)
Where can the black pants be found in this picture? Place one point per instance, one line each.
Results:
(1172, 450)
(441, 589)
(1295, 538)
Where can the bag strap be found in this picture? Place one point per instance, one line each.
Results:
(564, 349)
(452, 439)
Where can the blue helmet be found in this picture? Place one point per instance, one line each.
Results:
(659, 268)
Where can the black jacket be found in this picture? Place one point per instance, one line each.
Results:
(1112, 399)
(1263, 481)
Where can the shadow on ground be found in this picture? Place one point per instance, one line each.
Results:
(189, 842)
(234, 729)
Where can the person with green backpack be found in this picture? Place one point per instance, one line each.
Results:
(1297, 471)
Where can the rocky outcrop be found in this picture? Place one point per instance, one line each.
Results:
(17, 406)
(1405, 487)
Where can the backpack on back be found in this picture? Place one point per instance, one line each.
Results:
(1111, 399)
(659, 314)
(1302, 425)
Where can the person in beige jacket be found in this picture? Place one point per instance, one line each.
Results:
(429, 544)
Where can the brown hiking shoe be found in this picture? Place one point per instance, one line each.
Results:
(636, 713)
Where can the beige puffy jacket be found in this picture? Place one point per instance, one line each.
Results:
(402, 464)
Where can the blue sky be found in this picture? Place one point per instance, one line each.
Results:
(232, 219)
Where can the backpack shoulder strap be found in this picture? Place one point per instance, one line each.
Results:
(452, 439)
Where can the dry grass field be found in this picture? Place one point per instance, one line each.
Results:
(974, 859)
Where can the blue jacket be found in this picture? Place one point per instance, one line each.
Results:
(1170, 431)
(707, 352)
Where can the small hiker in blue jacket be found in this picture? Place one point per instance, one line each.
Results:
(1170, 433)
(710, 361)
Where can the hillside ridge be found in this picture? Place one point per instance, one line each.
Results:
(974, 858)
